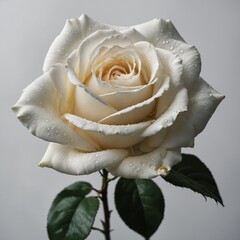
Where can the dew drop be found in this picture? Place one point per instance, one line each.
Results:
(48, 129)
(181, 51)
(171, 47)
(163, 42)
(167, 41)
(152, 167)
(130, 164)
(210, 94)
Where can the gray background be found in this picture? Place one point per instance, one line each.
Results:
(27, 29)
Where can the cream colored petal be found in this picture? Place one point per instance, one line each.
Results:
(101, 87)
(166, 119)
(152, 142)
(163, 34)
(124, 99)
(138, 112)
(155, 30)
(69, 160)
(203, 101)
(74, 31)
(87, 103)
(133, 35)
(147, 165)
(110, 136)
(123, 130)
(172, 66)
(150, 60)
(101, 38)
(41, 106)
(190, 56)
(180, 134)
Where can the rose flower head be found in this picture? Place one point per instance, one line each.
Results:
(124, 99)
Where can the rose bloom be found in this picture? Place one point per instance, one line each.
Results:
(125, 99)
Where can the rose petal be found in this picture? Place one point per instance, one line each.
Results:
(87, 103)
(110, 136)
(167, 118)
(68, 160)
(124, 99)
(152, 142)
(41, 105)
(74, 31)
(133, 34)
(138, 112)
(156, 29)
(101, 38)
(150, 59)
(172, 66)
(147, 165)
(180, 134)
(163, 34)
(101, 87)
(191, 60)
(203, 101)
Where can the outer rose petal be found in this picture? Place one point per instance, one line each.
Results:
(203, 101)
(164, 35)
(110, 136)
(156, 29)
(148, 165)
(69, 160)
(40, 108)
(74, 31)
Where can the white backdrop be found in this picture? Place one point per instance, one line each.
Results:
(27, 28)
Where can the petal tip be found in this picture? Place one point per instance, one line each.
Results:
(163, 171)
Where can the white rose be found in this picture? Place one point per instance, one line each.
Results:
(126, 99)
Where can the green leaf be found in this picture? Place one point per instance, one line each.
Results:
(72, 214)
(193, 174)
(140, 204)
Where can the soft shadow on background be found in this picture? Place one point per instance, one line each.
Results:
(27, 30)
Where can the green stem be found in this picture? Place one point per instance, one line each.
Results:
(104, 198)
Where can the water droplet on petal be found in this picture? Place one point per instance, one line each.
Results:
(181, 51)
(171, 47)
(167, 41)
